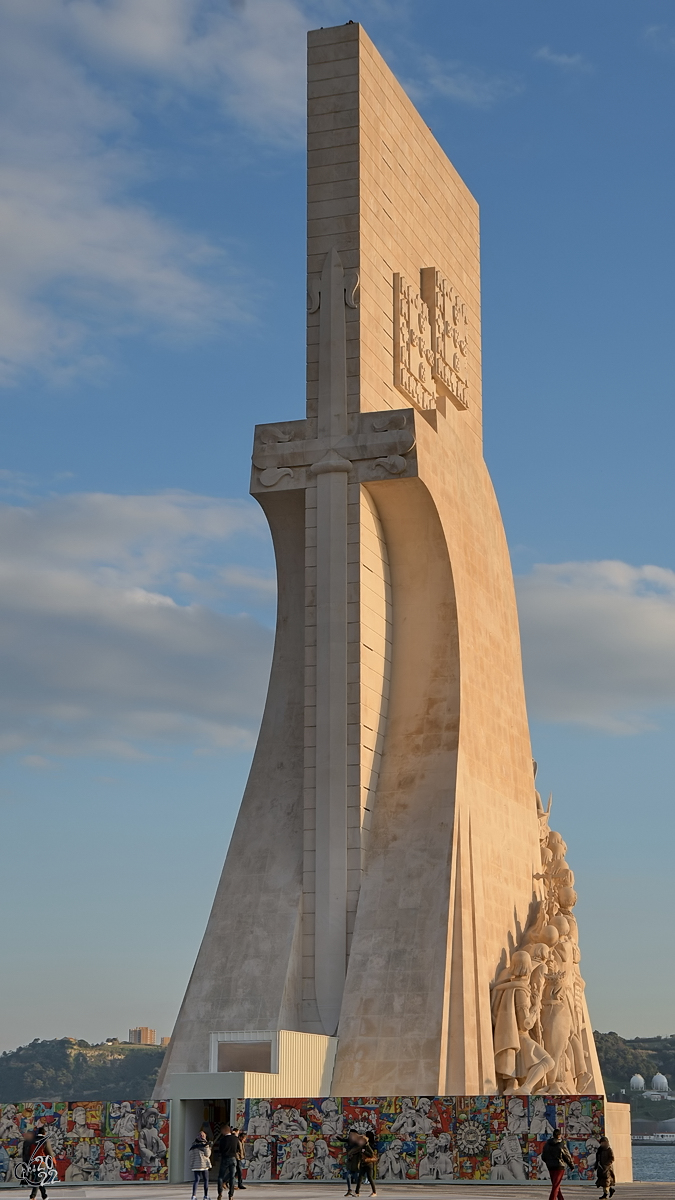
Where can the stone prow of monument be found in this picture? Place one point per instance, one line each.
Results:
(386, 888)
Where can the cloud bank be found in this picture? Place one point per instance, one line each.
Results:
(105, 649)
(465, 84)
(84, 260)
(598, 643)
(138, 625)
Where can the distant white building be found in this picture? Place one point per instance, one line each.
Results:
(659, 1089)
(637, 1084)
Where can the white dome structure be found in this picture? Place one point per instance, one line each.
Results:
(637, 1084)
(659, 1083)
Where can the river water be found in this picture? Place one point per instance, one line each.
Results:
(655, 1163)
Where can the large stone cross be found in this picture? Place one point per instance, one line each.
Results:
(332, 450)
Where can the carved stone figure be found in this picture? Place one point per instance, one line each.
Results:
(520, 1062)
(542, 1038)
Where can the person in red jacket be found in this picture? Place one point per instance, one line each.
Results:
(556, 1156)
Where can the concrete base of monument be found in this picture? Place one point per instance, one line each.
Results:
(421, 1140)
(243, 1064)
(617, 1128)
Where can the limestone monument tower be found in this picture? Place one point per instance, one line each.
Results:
(392, 885)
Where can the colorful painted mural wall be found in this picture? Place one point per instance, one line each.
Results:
(93, 1141)
(420, 1137)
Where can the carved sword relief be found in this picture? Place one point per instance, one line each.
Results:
(431, 342)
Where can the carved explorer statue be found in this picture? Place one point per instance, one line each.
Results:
(542, 1037)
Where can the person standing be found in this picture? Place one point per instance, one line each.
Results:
(604, 1167)
(200, 1163)
(39, 1158)
(355, 1143)
(241, 1158)
(228, 1146)
(367, 1164)
(556, 1156)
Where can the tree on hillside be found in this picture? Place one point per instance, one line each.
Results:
(620, 1059)
(66, 1069)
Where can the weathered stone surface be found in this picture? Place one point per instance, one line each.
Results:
(383, 863)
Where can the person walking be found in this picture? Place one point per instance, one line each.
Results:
(604, 1167)
(355, 1143)
(199, 1159)
(367, 1164)
(40, 1160)
(556, 1156)
(229, 1148)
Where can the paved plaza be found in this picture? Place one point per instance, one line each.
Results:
(330, 1191)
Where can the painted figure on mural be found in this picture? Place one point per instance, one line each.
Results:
(288, 1121)
(322, 1163)
(540, 1127)
(332, 1120)
(109, 1170)
(592, 1144)
(512, 1157)
(9, 1123)
(445, 1162)
(125, 1125)
(260, 1120)
(516, 1116)
(578, 1124)
(14, 1168)
(425, 1124)
(392, 1163)
(150, 1145)
(80, 1128)
(405, 1124)
(294, 1165)
(260, 1165)
(81, 1168)
(428, 1164)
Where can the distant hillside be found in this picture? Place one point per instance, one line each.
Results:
(621, 1058)
(66, 1069)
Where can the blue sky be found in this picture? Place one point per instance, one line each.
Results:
(152, 311)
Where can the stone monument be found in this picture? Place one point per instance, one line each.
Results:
(394, 912)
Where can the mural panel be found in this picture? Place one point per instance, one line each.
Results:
(496, 1138)
(93, 1141)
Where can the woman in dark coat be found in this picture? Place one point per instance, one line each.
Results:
(367, 1164)
(355, 1143)
(604, 1166)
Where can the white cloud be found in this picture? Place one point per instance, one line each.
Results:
(598, 643)
(84, 261)
(468, 85)
(567, 62)
(99, 656)
(249, 56)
